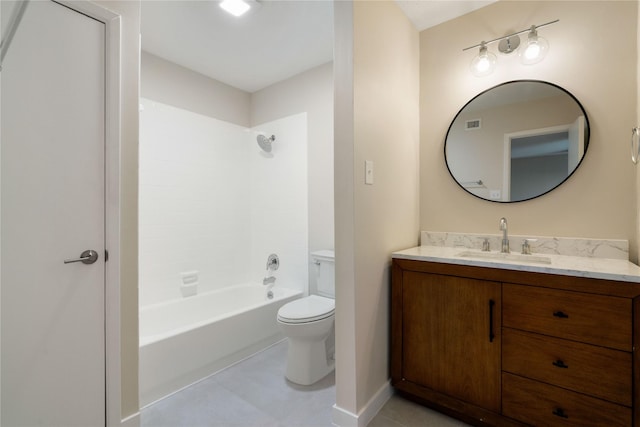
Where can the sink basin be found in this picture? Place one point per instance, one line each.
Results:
(499, 256)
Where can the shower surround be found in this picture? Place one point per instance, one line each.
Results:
(212, 201)
(214, 205)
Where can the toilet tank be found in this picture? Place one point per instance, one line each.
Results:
(326, 272)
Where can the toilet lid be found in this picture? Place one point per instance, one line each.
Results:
(307, 309)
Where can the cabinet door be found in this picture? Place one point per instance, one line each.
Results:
(451, 336)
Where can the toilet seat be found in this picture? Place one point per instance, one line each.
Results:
(305, 310)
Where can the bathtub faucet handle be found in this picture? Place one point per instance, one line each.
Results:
(273, 262)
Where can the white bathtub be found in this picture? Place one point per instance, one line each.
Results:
(186, 340)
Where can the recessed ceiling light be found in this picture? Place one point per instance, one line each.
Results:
(235, 7)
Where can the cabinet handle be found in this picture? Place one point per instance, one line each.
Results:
(491, 334)
(560, 315)
(560, 364)
(559, 412)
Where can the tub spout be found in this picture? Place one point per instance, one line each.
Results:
(269, 281)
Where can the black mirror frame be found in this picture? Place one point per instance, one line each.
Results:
(587, 138)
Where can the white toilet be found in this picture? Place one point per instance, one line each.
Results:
(308, 323)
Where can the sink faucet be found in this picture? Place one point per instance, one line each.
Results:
(505, 239)
(526, 246)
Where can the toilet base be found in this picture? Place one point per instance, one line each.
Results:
(308, 362)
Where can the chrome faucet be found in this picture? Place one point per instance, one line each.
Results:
(526, 246)
(269, 281)
(505, 239)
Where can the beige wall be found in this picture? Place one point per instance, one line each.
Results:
(180, 87)
(637, 123)
(380, 124)
(344, 207)
(592, 63)
(310, 92)
(130, 60)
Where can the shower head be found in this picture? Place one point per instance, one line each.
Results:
(265, 143)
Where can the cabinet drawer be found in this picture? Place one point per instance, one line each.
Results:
(594, 319)
(596, 371)
(540, 404)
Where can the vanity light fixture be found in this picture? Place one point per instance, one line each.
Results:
(535, 49)
(235, 7)
(483, 64)
(531, 52)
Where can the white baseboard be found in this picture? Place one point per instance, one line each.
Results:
(131, 421)
(343, 418)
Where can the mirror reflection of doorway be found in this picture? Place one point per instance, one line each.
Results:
(538, 163)
(540, 159)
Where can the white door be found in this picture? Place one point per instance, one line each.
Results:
(52, 209)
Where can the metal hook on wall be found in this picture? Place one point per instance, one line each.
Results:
(635, 144)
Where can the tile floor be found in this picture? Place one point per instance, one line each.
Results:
(255, 393)
(399, 412)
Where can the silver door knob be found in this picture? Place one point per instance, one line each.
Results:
(87, 257)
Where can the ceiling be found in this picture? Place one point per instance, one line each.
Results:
(272, 42)
(428, 13)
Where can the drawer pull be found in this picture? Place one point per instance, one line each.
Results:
(560, 315)
(559, 412)
(560, 364)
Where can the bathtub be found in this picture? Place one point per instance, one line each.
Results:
(183, 341)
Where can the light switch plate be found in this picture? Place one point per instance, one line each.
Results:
(368, 172)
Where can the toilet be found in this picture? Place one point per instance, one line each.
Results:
(308, 324)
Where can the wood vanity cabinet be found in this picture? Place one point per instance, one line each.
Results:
(503, 347)
(436, 308)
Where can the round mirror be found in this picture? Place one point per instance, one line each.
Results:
(516, 141)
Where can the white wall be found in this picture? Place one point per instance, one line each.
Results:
(278, 202)
(211, 201)
(310, 92)
(194, 201)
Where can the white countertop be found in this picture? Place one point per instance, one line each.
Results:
(595, 268)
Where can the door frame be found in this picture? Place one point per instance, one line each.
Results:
(506, 159)
(113, 371)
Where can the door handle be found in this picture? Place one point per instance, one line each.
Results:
(87, 257)
(491, 334)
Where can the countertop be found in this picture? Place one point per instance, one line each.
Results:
(595, 268)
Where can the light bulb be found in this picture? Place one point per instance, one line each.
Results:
(235, 7)
(534, 50)
(483, 64)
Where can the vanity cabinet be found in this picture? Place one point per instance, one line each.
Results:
(506, 347)
(436, 308)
